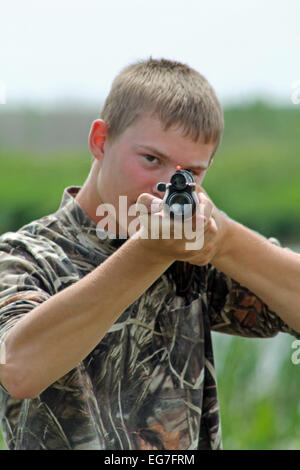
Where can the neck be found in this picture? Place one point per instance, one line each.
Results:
(88, 197)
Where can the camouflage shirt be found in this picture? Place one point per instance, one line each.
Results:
(151, 381)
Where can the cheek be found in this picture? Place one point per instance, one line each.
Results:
(200, 178)
(136, 176)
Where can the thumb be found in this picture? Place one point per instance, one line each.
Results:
(146, 203)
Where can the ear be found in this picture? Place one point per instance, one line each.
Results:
(97, 138)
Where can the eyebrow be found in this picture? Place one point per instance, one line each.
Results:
(164, 156)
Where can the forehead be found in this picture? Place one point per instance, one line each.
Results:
(148, 132)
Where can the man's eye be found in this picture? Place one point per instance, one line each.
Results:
(150, 158)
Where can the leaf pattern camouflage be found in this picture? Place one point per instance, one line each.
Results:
(151, 382)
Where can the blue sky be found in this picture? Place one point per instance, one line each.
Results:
(63, 50)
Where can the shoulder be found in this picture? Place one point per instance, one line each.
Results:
(39, 236)
(40, 249)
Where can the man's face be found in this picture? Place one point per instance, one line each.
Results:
(144, 155)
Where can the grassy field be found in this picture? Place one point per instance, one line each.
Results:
(256, 174)
(255, 178)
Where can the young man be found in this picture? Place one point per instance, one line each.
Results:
(106, 341)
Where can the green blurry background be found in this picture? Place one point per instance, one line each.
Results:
(255, 178)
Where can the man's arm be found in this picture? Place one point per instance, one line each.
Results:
(56, 335)
(271, 272)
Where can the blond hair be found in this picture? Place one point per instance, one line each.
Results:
(172, 91)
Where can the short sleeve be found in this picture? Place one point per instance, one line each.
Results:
(23, 285)
(235, 310)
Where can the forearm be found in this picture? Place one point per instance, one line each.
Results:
(271, 272)
(55, 336)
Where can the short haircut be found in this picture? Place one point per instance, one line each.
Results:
(172, 91)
